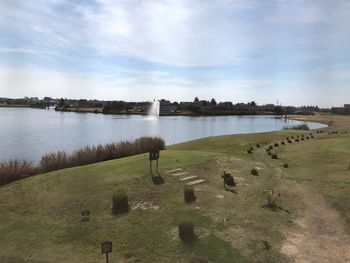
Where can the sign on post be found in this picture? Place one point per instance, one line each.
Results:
(106, 247)
(85, 215)
(153, 156)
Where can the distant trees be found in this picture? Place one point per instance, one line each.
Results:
(61, 103)
(213, 102)
(196, 100)
(116, 107)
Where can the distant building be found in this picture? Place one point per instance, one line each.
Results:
(342, 110)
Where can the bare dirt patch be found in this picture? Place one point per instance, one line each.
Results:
(145, 203)
(320, 234)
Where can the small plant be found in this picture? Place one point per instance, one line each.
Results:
(283, 143)
(258, 145)
(290, 141)
(270, 147)
(272, 197)
(189, 195)
(311, 136)
(276, 145)
(249, 151)
(186, 230)
(269, 153)
(267, 150)
(302, 138)
(298, 127)
(286, 165)
(228, 179)
(292, 137)
(297, 140)
(307, 138)
(254, 172)
(274, 156)
(251, 148)
(120, 202)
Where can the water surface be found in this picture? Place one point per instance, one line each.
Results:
(29, 133)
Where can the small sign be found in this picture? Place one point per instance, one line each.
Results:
(106, 247)
(154, 155)
(85, 215)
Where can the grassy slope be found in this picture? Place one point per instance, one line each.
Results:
(39, 216)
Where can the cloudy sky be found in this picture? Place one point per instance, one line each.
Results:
(296, 51)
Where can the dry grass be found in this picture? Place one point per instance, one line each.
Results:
(15, 169)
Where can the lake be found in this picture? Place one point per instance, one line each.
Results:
(30, 133)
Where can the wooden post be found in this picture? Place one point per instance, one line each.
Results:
(106, 257)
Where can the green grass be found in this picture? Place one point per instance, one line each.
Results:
(40, 216)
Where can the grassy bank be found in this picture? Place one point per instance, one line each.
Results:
(40, 216)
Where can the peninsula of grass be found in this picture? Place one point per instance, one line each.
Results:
(40, 215)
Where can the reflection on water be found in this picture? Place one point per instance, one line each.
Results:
(30, 133)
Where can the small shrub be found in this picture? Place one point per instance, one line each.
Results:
(272, 197)
(186, 230)
(189, 195)
(302, 138)
(254, 172)
(307, 138)
(258, 145)
(283, 143)
(120, 202)
(298, 127)
(297, 140)
(292, 137)
(274, 156)
(290, 141)
(312, 137)
(267, 150)
(276, 145)
(286, 165)
(228, 179)
(270, 147)
(269, 153)
(251, 148)
(249, 151)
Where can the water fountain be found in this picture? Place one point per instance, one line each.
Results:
(154, 109)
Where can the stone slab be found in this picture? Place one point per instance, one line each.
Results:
(199, 181)
(188, 178)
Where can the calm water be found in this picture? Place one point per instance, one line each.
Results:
(30, 133)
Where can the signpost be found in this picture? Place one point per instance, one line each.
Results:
(85, 215)
(106, 247)
(153, 156)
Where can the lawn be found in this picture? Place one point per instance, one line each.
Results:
(40, 216)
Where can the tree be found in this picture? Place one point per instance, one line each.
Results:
(213, 102)
(196, 100)
(253, 104)
(61, 103)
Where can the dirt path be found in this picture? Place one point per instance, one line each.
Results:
(320, 235)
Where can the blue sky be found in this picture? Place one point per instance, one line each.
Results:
(233, 50)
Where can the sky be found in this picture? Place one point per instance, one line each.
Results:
(293, 51)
